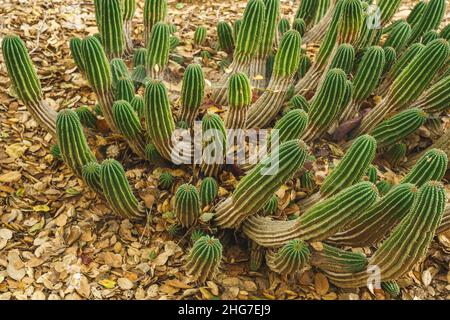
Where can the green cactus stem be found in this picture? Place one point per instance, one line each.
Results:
(26, 83)
(257, 255)
(391, 57)
(128, 12)
(307, 181)
(430, 19)
(119, 71)
(137, 103)
(395, 155)
(271, 206)
(372, 225)
(153, 156)
(391, 287)
(289, 259)
(236, 28)
(269, 104)
(300, 102)
(192, 93)
(187, 205)
(225, 37)
(158, 51)
(139, 76)
(317, 32)
(124, 90)
(430, 36)
(333, 259)
(372, 174)
(436, 99)
(214, 142)
(283, 26)
(299, 25)
(87, 118)
(118, 192)
(77, 55)
(239, 99)
(409, 84)
(416, 13)
(72, 141)
(174, 42)
(399, 36)
(113, 38)
(56, 151)
(200, 36)
(344, 58)
(204, 258)
(431, 166)
(91, 176)
(209, 189)
(140, 57)
(166, 180)
(304, 65)
(154, 11)
(258, 185)
(407, 244)
(445, 32)
(197, 234)
(306, 11)
(318, 223)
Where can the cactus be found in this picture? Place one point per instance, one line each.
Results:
(344, 58)
(56, 151)
(153, 156)
(98, 73)
(173, 230)
(318, 223)
(200, 36)
(384, 187)
(399, 36)
(351, 21)
(304, 65)
(128, 12)
(91, 176)
(437, 98)
(289, 259)
(366, 80)
(291, 126)
(158, 51)
(204, 258)
(431, 166)
(287, 59)
(254, 189)
(192, 93)
(98, 110)
(124, 90)
(213, 136)
(430, 36)
(117, 191)
(317, 32)
(98, 14)
(300, 102)
(398, 127)
(396, 154)
(77, 55)
(72, 142)
(283, 26)
(408, 242)
(165, 180)
(236, 28)
(416, 13)
(271, 206)
(87, 118)
(187, 205)
(257, 255)
(430, 19)
(19, 67)
(140, 57)
(129, 124)
(391, 287)
(408, 86)
(321, 9)
(225, 37)
(307, 181)
(388, 8)
(137, 103)
(299, 25)
(112, 32)
(445, 32)
(154, 11)
(373, 224)
(390, 56)
(119, 71)
(247, 43)
(372, 174)
(197, 234)
(209, 189)
(306, 10)
(326, 104)
(445, 223)
(139, 76)
(333, 259)
(239, 99)
(173, 42)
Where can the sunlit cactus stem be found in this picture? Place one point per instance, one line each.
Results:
(432, 165)
(200, 36)
(26, 83)
(214, 142)
(399, 36)
(154, 11)
(435, 99)
(204, 258)
(128, 12)
(187, 205)
(158, 51)
(306, 10)
(112, 31)
(239, 99)
(91, 176)
(318, 31)
(225, 37)
(76, 52)
(209, 190)
(192, 93)
(429, 20)
(332, 259)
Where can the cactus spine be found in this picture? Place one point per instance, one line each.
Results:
(254, 189)
(214, 140)
(431, 166)
(204, 258)
(225, 37)
(72, 142)
(117, 191)
(209, 190)
(26, 83)
(154, 11)
(289, 259)
(187, 205)
(192, 93)
(158, 51)
(113, 38)
(91, 176)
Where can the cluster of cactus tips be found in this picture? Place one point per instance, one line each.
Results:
(370, 90)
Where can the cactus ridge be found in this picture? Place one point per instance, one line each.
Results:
(390, 58)
(118, 192)
(139, 76)
(140, 57)
(192, 92)
(154, 11)
(333, 259)
(288, 56)
(76, 52)
(204, 258)
(187, 205)
(128, 9)
(113, 38)
(290, 258)
(87, 118)
(209, 189)
(124, 90)
(271, 206)
(299, 25)
(158, 50)
(304, 65)
(399, 36)
(56, 151)
(239, 91)
(396, 153)
(399, 126)
(272, 13)
(283, 26)
(352, 167)
(445, 32)
(344, 58)
(213, 132)
(166, 180)
(126, 119)
(374, 224)
(431, 166)
(200, 36)
(91, 176)
(437, 98)
(153, 156)
(430, 19)
(351, 22)
(225, 36)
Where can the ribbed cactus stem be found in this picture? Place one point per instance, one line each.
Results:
(430, 36)
(200, 36)
(388, 9)
(416, 13)
(299, 25)
(395, 155)
(318, 31)
(137, 103)
(225, 37)
(128, 12)
(140, 57)
(119, 71)
(436, 99)
(204, 258)
(290, 258)
(391, 287)
(209, 190)
(257, 255)
(187, 205)
(300, 102)
(98, 73)
(117, 191)
(306, 10)
(430, 19)
(391, 57)
(214, 141)
(408, 242)
(260, 183)
(321, 9)
(91, 176)
(192, 93)
(26, 83)
(72, 141)
(239, 99)
(124, 90)
(166, 180)
(283, 26)
(330, 258)
(269, 104)
(158, 51)
(154, 11)
(399, 36)
(445, 223)
(76, 52)
(431, 166)
(87, 118)
(129, 124)
(271, 206)
(372, 225)
(344, 58)
(113, 38)
(410, 83)
(318, 223)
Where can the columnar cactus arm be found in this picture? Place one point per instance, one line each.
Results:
(289, 259)
(154, 11)
(430, 36)
(318, 223)
(124, 90)
(239, 99)
(399, 35)
(77, 55)
(158, 50)
(388, 9)
(187, 205)
(209, 190)
(119, 71)
(260, 183)
(113, 38)
(204, 258)
(396, 154)
(431, 166)
(26, 83)
(72, 141)
(437, 98)
(225, 37)
(333, 259)
(445, 223)
(91, 176)
(416, 13)
(213, 137)
(318, 31)
(306, 10)
(128, 12)
(430, 19)
(200, 36)
(344, 58)
(87, 118)
(117, 191)
(192, 93)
